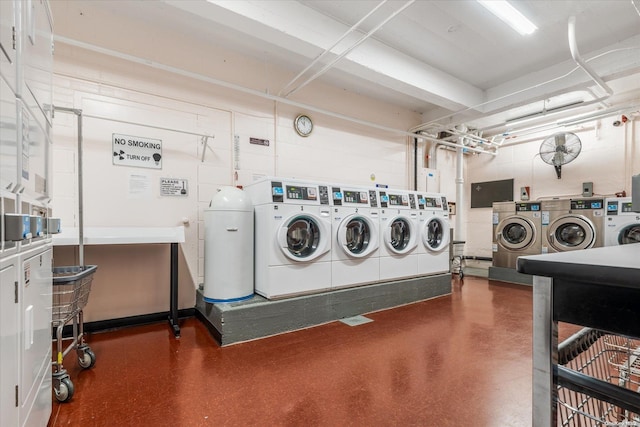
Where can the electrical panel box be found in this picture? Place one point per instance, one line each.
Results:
(429, 180)
(587, 189)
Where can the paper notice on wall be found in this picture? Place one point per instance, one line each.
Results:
(139, 186)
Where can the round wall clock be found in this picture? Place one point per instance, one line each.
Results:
(303, 125)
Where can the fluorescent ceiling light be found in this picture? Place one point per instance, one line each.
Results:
(509, 14)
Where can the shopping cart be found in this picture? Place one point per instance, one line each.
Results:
(457, 249)
(71, 288)
(591, 354)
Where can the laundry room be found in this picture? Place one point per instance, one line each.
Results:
(306, 205)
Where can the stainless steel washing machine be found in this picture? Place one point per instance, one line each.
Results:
(572, 224)
(516, 232)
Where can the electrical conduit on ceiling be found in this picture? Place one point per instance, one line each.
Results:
(252, 92)
(346, 51)
(327, 50)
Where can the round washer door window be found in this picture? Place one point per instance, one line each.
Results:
(436, 234)
(515, 233)
(302, 238)
(357, 236)
(629, 234)
(571, 233)
(399, 235)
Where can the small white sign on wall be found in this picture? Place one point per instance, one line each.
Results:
(174, 187)
(137, 151)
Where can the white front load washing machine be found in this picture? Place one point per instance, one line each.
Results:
(622, 225)
(292, 242)
(433, 229)
(355, 224)
(398, 234)
(572, 224)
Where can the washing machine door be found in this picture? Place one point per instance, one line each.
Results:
(303, 237)
(435, 234)
(357, 236)
(400, 236)
(515, 233)
(570, 233)
(629, 234)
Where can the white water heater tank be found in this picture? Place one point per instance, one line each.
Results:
(228, 247)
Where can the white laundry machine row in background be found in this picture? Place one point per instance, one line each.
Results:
(292, 240)
(356, 234)
(433, 234)
(572, 224)
(398, 234)
(622, 225)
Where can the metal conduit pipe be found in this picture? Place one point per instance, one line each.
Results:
(253, 92)
(346, 52)
(78, 114)
(457, 232)
(327, 50)
(575, 54)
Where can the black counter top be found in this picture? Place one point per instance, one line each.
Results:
(614, 265)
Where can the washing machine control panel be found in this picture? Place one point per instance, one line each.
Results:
(373, 198)
(324, 194)
(422, 201)
(581, 204)
(397, 199)
(527, 207)
(295, 192)
(614, 207)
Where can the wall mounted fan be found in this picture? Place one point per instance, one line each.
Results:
(560, 149)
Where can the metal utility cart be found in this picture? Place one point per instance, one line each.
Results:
(457, 257)
(71, 288)
(613, 359)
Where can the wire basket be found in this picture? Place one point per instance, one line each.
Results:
(606, 357)
(71, 288)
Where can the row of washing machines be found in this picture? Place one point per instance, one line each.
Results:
(311, 237)
(560, 225)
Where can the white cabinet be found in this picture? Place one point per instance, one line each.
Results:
(9, 328)
(35, 289)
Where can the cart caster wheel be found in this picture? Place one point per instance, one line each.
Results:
(64, 391)
(86, 358)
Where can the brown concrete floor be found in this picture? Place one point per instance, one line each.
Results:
(459, 360)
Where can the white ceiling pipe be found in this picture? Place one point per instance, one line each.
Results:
(575, 54)
(327, 50)
(252, 92)
(346, 52)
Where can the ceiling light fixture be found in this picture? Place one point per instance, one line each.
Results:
(509, 14)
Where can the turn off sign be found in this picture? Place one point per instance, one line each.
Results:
(137, 151)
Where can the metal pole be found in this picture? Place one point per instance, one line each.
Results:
(78, 113)
(80, 192)
(459, 193)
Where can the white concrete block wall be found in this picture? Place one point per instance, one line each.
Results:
(121, 92)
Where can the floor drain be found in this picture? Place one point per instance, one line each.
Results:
(356, 320)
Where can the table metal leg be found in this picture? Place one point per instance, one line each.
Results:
(173, 313)
(545, 353)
